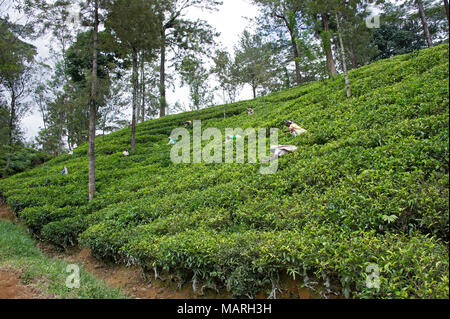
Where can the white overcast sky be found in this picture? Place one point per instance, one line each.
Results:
(230, 20)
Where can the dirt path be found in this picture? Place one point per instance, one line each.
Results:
(13, 287)
(6, 212)
(130, 279)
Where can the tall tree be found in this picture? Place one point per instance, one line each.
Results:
(136, 26)
(146, 83)
(182, 35)
(358, 38)
(224, 69)
(319, 13)
(423, 19)
(150, 87)
(142, 87)
(54, 16)
(344, 62)
(65, 111)
(4, 116)
(255, 62)
(16, 63)
(195, 75)
(446, 10)
(90, 14)
(437, 21)
(326, 44)
(41, 99)
(110, 63)
(341, 10)
(93, 101)
(284, 15)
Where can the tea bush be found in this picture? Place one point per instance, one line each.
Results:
(369, 184)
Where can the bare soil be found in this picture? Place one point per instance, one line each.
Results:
(6, 212)
(12, 286)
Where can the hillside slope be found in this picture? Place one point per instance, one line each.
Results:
(368, 185)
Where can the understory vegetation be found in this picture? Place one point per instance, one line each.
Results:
(369, 184)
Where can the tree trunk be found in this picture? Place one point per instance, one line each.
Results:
(446, 10)
(225, 104)
(424, 23)
(135, 99)
(162, 84)
(295, 52)
(254, 90)
(344, 62)
(139, 89)
(93, 107)
(12, 115)
(352, 57)
(8, 161)
(42, 110)
(143, 87)
(327, 47)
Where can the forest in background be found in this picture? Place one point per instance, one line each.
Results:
(142, 49)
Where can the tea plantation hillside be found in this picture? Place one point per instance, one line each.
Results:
(369, 184)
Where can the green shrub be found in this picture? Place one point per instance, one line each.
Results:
(35, 218)
(64, 233)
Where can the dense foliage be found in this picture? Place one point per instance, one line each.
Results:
(368, 184)
(22, 158)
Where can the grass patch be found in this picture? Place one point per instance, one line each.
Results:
(18, 251)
